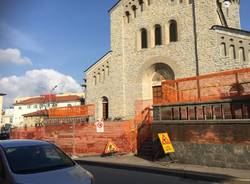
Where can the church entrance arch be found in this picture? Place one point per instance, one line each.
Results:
(152, 79)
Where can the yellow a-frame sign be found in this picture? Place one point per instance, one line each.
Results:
(166, 143)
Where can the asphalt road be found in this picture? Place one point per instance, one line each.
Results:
(105, 175)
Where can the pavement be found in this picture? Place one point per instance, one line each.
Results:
(195, 172)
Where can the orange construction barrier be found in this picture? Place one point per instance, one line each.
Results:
(216, 86)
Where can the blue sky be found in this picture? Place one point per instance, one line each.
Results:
(64, 35)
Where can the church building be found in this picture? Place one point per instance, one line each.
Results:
(156, 40)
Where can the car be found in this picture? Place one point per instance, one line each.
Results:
(38, 162)
(4, 135)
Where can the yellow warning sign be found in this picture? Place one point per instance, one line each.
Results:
(166, 143)
(111, 148)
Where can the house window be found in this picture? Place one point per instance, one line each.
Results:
(173, 31)
(20, 108)
(35, 106)
(144, 38)
(158, 35)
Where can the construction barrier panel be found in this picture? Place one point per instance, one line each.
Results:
(72, 111)
(216, 86)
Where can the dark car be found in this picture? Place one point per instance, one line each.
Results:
(4, 135)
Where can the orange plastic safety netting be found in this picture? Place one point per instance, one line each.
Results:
(84, 110)
(216, 86)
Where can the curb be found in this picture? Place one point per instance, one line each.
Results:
(172, 172)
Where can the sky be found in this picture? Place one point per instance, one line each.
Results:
(44, 43)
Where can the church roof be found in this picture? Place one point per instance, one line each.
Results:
(42, 99)
(37, 113)
(97, 61)
(114, 5)
(231, 30)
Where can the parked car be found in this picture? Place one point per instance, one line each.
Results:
(38, 162)
(4, 135)
(5, 132)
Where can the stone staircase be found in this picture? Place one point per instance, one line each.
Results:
(146, 149)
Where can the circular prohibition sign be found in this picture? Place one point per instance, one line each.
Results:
(99, 124)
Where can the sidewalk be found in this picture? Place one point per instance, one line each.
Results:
(213, 174)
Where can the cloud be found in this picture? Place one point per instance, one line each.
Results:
(16, 38)
(35, 83)
(13, 56)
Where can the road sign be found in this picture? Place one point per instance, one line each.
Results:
(166, 143)
(110, 148)
(99, 126)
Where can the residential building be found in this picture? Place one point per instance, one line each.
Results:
(156, 40)
(26, 105)
(35, 118)
(7, 117)
(1, 105)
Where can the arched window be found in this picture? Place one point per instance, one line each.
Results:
(95, 81)
(242, 54)
(141, 2)
(223, 50)
(108, 70)
(158, 35)
(144, 38)
(134, 10)
(128, 16)
(173, 32)
(149, 2)
(248, 55)
(232, 52)
(105, 108)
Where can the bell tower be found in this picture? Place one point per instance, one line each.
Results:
(228, 13)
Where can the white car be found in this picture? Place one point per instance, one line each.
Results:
(38, 162)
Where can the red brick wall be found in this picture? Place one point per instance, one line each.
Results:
(85, 140)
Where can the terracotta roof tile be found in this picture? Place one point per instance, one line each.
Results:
(37, 113)
(43, 99)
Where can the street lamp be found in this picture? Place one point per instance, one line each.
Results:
(227, 3)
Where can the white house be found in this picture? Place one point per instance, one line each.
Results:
(7, 117)
(25, 105)
(1, 105)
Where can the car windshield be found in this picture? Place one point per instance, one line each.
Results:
(34, 159)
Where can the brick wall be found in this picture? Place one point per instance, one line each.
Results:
(83, 138)
(224, 143)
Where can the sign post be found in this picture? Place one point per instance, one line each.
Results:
(99, 126)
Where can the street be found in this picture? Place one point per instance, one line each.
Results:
(105, 175)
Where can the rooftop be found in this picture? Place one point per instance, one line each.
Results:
(37, 113)
(48, 98)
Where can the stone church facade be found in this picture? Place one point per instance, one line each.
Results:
(154, 40)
